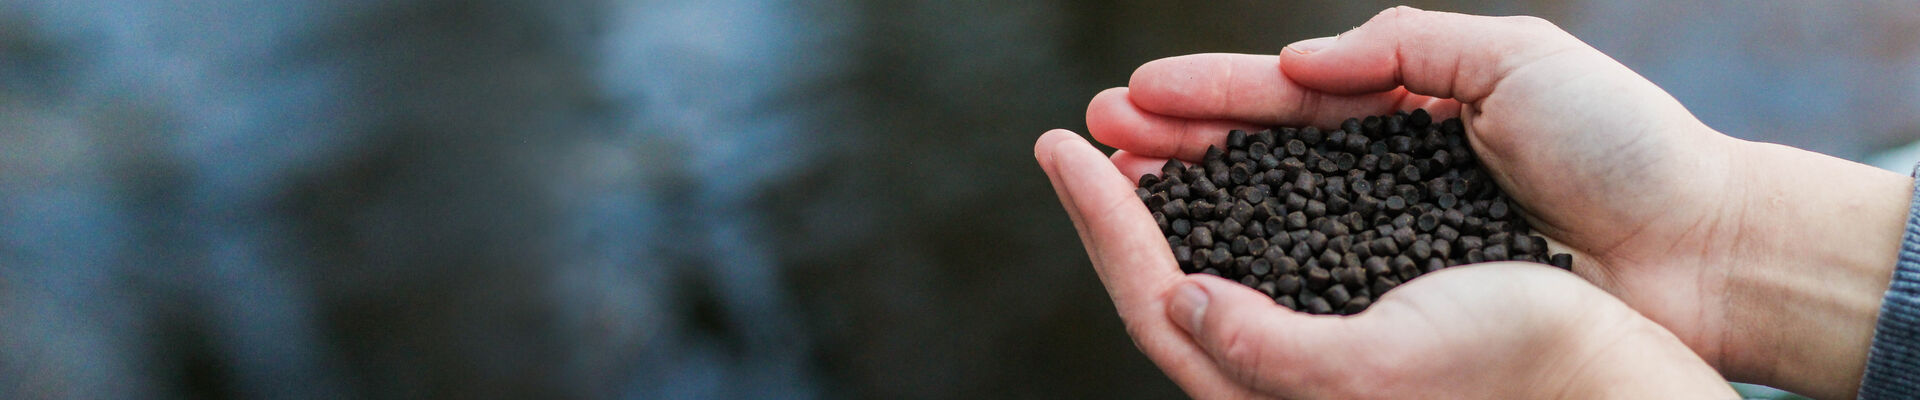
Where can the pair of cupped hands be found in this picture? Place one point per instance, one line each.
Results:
(1699, 257)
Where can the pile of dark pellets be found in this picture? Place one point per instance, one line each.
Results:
(1327, 221)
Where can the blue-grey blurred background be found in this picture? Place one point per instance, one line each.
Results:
(670, 198)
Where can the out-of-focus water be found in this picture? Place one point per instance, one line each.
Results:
(665, 198)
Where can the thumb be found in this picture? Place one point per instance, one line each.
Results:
(1437, 54)
(1254, 341)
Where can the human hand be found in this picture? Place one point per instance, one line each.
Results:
(1768, 261)
(1497, 330)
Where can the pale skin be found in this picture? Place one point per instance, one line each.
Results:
(1762, 262)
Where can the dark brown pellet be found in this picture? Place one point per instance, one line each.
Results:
(1318, 278)
(1453, 217)
(1175, 209)
(1231, 228)
(1420, 249)
(1236, 138)
(1317, 305)
(1385, 246)
(1377, 266)
(1402, 221)
(1524, 245)
(1498, 237)
(1296, 220)
(1427, 221)
(1471, 242)
(1260, 267)
(1264, 136)
(1202, 209)
(1383, 284)
(1311, 135)
(1200, 237)
(1340, 244)
(1562, 260)
(1404, 236)
(1355, 306)
(1289, 284)
(1497, 210)
(1202, 187)
(1316, 241)
(1405, 266)
(1366, 203)
(1337, 295)
(1339, 205)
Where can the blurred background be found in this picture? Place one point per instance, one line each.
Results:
(675, 199)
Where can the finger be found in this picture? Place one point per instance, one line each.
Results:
(1115, 121)
(1258, 343)
(1252, 88)
(1431, 53)
(1127, 248)
(1131, 258)
(1134, 165)
(1043, 152)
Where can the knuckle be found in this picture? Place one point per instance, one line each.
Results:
(1240, 350)
(1393, 15)
(1134, 330)
(1535, 24)
(1138, 332)
(1397, 20)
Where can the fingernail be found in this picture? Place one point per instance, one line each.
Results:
(1311, 45)
(1188, 306)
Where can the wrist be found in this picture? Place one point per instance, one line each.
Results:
(1633, 358)
(1818, 238)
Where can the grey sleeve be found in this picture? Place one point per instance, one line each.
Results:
(1893, 363)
